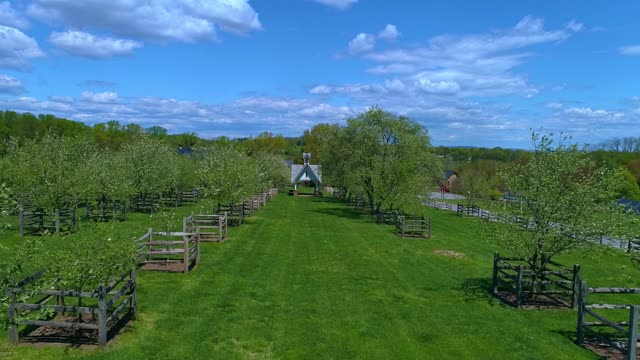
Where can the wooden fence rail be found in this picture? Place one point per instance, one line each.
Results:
(36, 221)
(111, 303)
(168, 251)
(233, 212)
(413, 226)
(514, 276)
(612, 330)
(103, 210)
(208, 227)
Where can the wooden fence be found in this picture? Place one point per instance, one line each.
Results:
(513, 281)
(413, 226)
(468, 210)
(234, 213)
(357, 202)
(209, 227)
(103, 210)
(190, 196)
(439, 205)
(618, 329)
(169, 251)
(273, 192)
(388, 216)
(111, 303)
(171, 198)
(146, 203)
(36, 221)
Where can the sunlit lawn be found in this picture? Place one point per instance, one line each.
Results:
(310, 278)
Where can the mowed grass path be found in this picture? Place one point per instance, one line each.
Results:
(310, 278)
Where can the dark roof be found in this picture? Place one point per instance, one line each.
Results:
(629, 204)
(449, 173)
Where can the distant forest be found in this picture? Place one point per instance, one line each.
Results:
(469, 162)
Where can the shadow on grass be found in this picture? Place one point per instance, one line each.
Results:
(342, 212)
(475, 289)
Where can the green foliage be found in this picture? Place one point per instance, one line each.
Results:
(562, 195)
(148, 164)
(86, 261)
(53, 172)
(629, 187)
(382, 156)
(228, 175)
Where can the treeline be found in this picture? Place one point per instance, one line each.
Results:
(58, 171)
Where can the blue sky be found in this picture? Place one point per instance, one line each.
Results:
(474, 73)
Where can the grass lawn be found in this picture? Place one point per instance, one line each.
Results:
(310, 278)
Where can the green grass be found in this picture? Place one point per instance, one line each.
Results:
(311, 278)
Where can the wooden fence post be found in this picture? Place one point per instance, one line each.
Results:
(134, 294)
(185, 239)
(12, 327)
(21, 222)
(102, 315)
(519, 286)
(429, 229)
(632, 341)
(575, 285)
(57, 220)
(582, 301)
(494, 283)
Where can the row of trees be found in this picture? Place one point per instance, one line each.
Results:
(57, 171)
(629, 144)
(385, 158)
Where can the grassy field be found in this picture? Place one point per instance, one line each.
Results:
(310, 278)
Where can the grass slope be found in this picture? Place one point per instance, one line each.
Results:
(311, 278)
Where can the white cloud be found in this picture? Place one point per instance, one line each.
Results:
(103, 97)
(10, 85)
(161, 20)
(554, 105)
(321, 89)
(10, 17)
(630, 50)
(87, 45)
(588, 113)
(246, 116)
(389, 33)
(362, 43)
(338, 4)
(17, 49)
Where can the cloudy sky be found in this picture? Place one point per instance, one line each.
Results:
(473, 72)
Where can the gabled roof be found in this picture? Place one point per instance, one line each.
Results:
(306, 172)
(449, 173)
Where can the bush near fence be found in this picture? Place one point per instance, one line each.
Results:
(103, 210)
(513, 282)
(37, 221)
(113, 304)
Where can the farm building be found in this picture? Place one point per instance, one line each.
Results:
(450, 178)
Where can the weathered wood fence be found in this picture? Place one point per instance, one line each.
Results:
(388, 216)
(234, 213)
(413, 226)
(208, 227)
(513, 281)
(110, 303)
(146, 203)
(468, 210)
(617, 329)
(36, 221)
(102, 210)
(168, 251)
(190, 196)
(357, 202)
